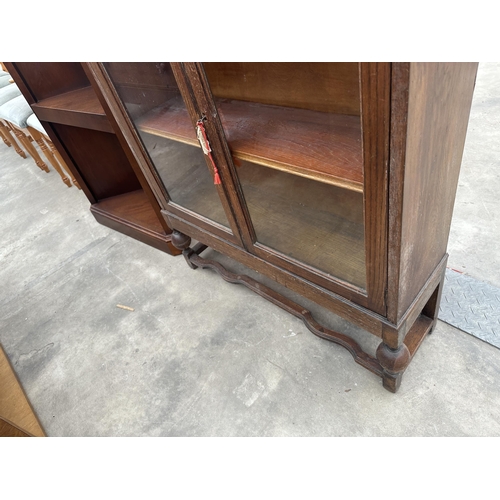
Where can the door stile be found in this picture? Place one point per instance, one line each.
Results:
(399, 123)
(196, 93)
(375, 111)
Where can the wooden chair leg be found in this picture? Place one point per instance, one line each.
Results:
(6, 132)
(61, 161)
(25, 141)
(4, 136)
(37, 136)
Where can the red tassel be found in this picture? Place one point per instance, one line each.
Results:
(216, 177)
(216, 170)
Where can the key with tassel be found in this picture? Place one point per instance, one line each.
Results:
(205, 146)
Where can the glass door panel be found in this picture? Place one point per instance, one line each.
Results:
(294, 132)
(152, 98)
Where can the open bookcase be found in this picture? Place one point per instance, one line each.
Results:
(62, 97)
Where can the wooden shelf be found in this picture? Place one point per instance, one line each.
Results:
(133, 215)
(79, 108)
(320, 146)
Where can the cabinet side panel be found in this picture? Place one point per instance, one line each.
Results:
(440, 97)
(100, 160)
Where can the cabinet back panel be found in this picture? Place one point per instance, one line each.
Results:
(100, 159)
(328, 87)
(49, 79)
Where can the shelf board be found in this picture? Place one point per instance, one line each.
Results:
(132, 214)
(320, 146)
(79, 108)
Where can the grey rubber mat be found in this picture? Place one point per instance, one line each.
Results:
(472, 306)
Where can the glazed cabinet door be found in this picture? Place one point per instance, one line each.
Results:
(305, 148)
(154, 104)
(286, 160)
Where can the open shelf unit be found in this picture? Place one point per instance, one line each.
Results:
(132, 214)
(63, 98)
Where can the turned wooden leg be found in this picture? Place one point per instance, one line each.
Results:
(394, 362)
(6, 130)
(181, 241)
(48, 154)
(61, 161)
(25, 141)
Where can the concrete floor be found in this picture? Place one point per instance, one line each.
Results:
(201, 357)
(474, 244)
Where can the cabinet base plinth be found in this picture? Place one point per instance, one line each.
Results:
(389, 364)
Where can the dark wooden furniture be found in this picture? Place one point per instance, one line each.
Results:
(63, 99)
(336, 180)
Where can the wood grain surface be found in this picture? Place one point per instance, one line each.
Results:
(440, 96)
(100, 160)
(330, 87)
(48, 79)
(132, 214)
(79, 108)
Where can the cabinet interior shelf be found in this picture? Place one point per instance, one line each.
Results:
(312, 144)
(132, 214)
(79, 108)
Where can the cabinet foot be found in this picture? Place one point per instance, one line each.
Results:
(391, 381)
(394, 362)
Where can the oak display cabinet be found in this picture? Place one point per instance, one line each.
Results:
(336, 180)
(62, 97)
